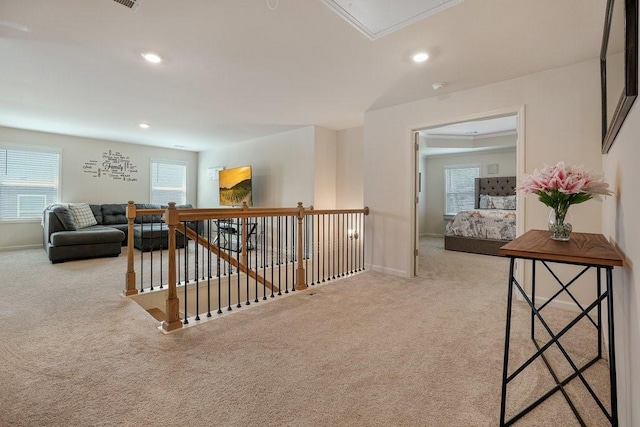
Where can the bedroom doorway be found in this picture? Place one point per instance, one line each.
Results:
(449, 154)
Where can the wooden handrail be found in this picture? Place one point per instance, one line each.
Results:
(174, 218)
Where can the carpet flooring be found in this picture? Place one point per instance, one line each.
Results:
(366, 350)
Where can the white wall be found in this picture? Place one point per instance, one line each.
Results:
(621, 226)
(431, 205)
(325, 169)
(349, 174)
(79, 186)
(562, 122)
(282, 168)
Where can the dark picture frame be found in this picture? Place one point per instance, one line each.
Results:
(611, 126)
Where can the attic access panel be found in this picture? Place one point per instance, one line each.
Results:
(377, 18)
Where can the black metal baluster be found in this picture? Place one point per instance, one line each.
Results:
(286, 254)
(329, 247)
(208, 267)
(238, 244)
(142, 271)
(349, 245)
(196, 272)
(345, 245)
(264, 259)
(273, 266)
(308, 221)
(150, 254)
(356, 240)
(179, 263)
(324, 246)
(279, 257)
(185, 245)
(161, 258)
(334, 250)
(228, 234)
(186, 320)
(339, 240)
(354, 229)
(218, 269)
(293, 252)
(313, 249)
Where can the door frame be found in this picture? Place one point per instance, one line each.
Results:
(519, 112)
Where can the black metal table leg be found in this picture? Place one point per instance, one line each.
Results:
(503, 400)
(612, 351)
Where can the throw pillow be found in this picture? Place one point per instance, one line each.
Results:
(83, 214)
(65, 217)
(485, 202)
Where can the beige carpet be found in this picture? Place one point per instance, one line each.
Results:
(368, 350)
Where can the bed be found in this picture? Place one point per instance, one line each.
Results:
(491, 224)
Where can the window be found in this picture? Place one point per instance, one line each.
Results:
(168, 182)
(459, 190)
(29, 181)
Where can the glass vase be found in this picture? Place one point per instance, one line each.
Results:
(560, 224)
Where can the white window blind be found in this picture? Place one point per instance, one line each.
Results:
(460, 188)
(168, 182)
(29, 181)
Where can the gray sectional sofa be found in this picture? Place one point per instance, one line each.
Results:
(64, 240)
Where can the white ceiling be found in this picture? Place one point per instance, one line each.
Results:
(471, 136)
(240, 69)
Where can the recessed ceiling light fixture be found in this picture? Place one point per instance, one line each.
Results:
(420, 57)
(438, 86)
(154, 58)
(144, 125)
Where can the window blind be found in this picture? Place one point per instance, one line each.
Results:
(460, 188)
(168, 182)
(29, 181)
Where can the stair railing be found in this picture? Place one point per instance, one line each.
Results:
(324, 245)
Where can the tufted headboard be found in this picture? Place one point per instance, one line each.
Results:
(495, 186)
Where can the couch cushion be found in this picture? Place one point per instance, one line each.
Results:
(114, 214)
(151, 231)
(97, 212)
(65, 217)
(87, 236)
(83, 214)
(148, 218)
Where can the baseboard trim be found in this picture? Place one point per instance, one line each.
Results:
(17, 248)
(431, 235)
(385, 270)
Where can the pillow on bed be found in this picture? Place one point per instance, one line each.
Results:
(485, 202)
(502, 202)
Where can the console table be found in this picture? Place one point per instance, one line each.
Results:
(586, 250)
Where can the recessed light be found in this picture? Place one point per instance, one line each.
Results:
(154, 58)
(438, 86)
(144, 125)
(420, 57)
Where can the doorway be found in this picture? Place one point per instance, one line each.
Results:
(489, 145)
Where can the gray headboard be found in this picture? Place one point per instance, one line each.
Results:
(495, 186)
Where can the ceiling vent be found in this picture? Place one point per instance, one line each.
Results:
(131, 4)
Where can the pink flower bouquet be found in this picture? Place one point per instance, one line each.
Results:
(561, 186)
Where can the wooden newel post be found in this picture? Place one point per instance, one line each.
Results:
(130, 279)
(172, 319)
(300, 283)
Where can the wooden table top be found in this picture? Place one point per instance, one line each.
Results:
(582, 248)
